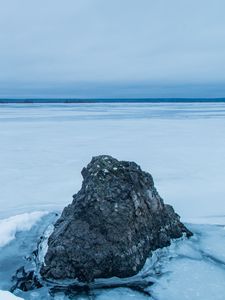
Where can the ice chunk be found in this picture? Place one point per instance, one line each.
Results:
(23, 222)
(43, 246)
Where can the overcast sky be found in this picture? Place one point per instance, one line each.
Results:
(112, 48)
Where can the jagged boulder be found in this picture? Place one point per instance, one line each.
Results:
(112, 225)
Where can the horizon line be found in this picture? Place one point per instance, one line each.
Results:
(68, 100)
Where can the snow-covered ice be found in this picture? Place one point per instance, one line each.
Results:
(120, 293)
(193, 269)
(44, 147)
(10, 226)
(5, 295)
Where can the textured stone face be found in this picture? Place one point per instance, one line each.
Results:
(112, 225)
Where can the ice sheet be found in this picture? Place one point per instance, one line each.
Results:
(44, 147)
(120, 293)
(193, 269)
(191, 280)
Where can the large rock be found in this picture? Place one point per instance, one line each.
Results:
(112, 225)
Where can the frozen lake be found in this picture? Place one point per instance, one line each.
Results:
(44, 147)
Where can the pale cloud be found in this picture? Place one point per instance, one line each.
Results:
(69, 44)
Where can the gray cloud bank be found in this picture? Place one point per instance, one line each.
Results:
(99, 48)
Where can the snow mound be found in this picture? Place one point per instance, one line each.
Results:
(10, 226)
(4, 295)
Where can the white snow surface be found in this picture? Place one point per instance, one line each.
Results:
(10, 226)
(4, 295)
(44, 147)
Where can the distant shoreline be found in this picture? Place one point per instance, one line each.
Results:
(132, 100)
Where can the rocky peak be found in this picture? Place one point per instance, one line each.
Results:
(112, 225)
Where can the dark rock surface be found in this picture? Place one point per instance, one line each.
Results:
(112, 225)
